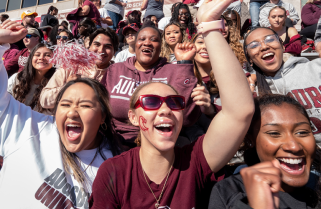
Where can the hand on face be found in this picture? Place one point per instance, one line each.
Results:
(211, 10)
(185, 51)
(11, 32)
(202, 98)
(262, 183)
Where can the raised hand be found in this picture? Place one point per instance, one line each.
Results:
(202, 98)
(212, 10)
(185, 51)
(262, 183)
(11, 32)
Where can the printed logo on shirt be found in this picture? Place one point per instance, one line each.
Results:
(125, 87)
(310, 99)
(187, 81)
(55, 191)
(22, 60)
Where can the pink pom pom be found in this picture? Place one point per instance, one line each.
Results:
(75, 57)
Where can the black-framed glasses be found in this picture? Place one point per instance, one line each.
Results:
(269, 40)
(184, 14)
(63, 37)
(29, 36)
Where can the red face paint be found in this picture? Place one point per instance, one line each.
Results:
(142, 122)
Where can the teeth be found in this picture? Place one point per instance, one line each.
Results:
(146, 50)
(164, 125)
(291, 160)
(73, 125)
(204, 54)
(268, 54)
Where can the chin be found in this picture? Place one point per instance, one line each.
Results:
(165, 146)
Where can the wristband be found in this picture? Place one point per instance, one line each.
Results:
(210, 26)
(185, 62)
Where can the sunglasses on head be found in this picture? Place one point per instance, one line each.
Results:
(29, 36)
(154, 102)
(63, 37)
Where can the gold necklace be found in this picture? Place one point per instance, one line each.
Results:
(160, 196)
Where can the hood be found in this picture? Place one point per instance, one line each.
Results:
(290, 64)
(270, 5)
(130, 64)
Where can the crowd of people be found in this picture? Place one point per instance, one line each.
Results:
(195, 110)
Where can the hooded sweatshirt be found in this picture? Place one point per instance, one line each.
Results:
(17, 63)
(122, 79)
(33, 174)
(57, 82)
(291, 13)
(300, 79)
(310, 14)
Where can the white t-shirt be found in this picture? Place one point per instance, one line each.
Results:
(103, 13)
(123, 55)
(163, 22)
(33, 174)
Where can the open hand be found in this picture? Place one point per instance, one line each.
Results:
(262, 183)
(11, 32)
(212, 10)
(185, 51)
(202, 98)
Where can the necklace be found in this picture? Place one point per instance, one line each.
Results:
(160, 196)
(91, 161)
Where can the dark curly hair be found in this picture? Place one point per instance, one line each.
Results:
(189, 25)
(261, 103)
(107, 32)
(25, 79)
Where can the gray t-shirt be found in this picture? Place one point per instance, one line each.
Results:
(155, 7)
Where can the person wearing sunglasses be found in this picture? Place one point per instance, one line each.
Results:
(64, 36)
(158, 175)
(17, 63)
(183, 15)
(297, 77)
(130, 36)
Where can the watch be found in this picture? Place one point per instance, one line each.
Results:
(185, 62)
(210, 26)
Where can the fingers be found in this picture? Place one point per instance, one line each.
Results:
(186, 46)
(11, 25)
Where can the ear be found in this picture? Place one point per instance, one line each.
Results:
(133, 118)
(103, 119)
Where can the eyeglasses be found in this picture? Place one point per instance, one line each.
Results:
(133, 25)
(184, 14)
(63, 37)
(154, 102)
(270, 40)
(29, 36)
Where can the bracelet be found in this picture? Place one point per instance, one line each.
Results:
(210, 26)
(185, 62)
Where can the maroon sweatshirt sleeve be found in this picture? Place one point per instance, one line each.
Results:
(12, 65)
(294, 46)
(310, 14)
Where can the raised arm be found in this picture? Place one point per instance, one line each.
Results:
(229, 126)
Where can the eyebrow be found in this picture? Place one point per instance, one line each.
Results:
(277, 124)
(86, 100)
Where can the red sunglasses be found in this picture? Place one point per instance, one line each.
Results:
(154, 102)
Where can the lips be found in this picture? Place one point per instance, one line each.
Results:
(204, 55)
(73, 131)
(165, 128)
(293, 166)
(268, 57)
(147, 51)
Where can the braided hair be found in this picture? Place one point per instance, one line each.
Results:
(190, 27)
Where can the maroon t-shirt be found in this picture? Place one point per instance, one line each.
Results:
(94, 12)
(120, 182)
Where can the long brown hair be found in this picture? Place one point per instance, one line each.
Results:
(233, 40)
(109, 137)
(25, 80)
(166, 51)
(133, 100)
(238, 19)
(212, 86)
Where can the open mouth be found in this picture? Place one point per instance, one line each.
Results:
(165, 129)
(268, 57)
(204, 55)
(294, 166)
(73, 131)
(147, 51)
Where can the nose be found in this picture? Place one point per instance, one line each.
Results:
(264, 46)
(73, 113)
(291, 144)
(147, 42)
(164, 110)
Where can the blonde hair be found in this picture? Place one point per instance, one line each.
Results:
(166, 51)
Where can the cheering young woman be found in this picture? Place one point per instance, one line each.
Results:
(157, 175)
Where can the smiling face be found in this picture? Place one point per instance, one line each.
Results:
(159, 128)
(30, 43)
(102, 45)
(285, 134)
(40, 60)
(201, 51)
(183, 16)
(173, 35)
(277, 18)
(268, 57)
(78, 118)
(130, 36)
(148, 47)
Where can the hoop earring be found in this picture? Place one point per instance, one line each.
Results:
(104, 126)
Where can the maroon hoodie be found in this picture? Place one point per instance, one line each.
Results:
(120, 80)
(17, 63)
